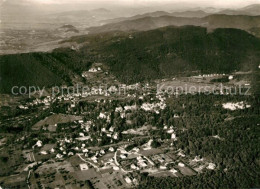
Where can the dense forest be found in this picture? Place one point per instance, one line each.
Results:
(236, 153)
(171, 51)
(40, 69)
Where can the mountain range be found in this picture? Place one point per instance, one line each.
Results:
(143, 23)
(28, 15)
(252, 10)
(142, 47)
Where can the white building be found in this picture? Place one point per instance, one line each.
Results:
(163, 167)
(111, 149)
(173, 136)
(231, 77)
(128, 180)
(92, 70)
(59, 156)
(133, 166)
(44, 153)
(181, 164)
(38, 143)
(102, 115)
(122, 156)
(83, 166)
(211, 166)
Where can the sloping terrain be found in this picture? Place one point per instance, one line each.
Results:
(145, 23)
(188, 14)
(141, 23)
(40, 69)
(56, 119)
(168, 51)
(138, 56)
(232, 21)
(24, 70)
(252, 9)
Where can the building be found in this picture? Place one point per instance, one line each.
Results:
(83, 166)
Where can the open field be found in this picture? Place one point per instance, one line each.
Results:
(56, 119)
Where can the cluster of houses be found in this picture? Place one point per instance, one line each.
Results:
(85, 74)
(79, 148)
(122, 110)
(45, 101)
(208, 75)
(235, 105)
(198, 164)
(155, 106)
(79, 145)
(171, 131)
(230, 77)
(72, 97)
(140, 162)
(110, 133)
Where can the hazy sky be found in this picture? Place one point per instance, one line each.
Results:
(20, 8)
(215, 3)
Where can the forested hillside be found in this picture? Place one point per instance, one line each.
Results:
(236, 152)
(40, 69)
(137, 56)
(25, 70)
(170, 51)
